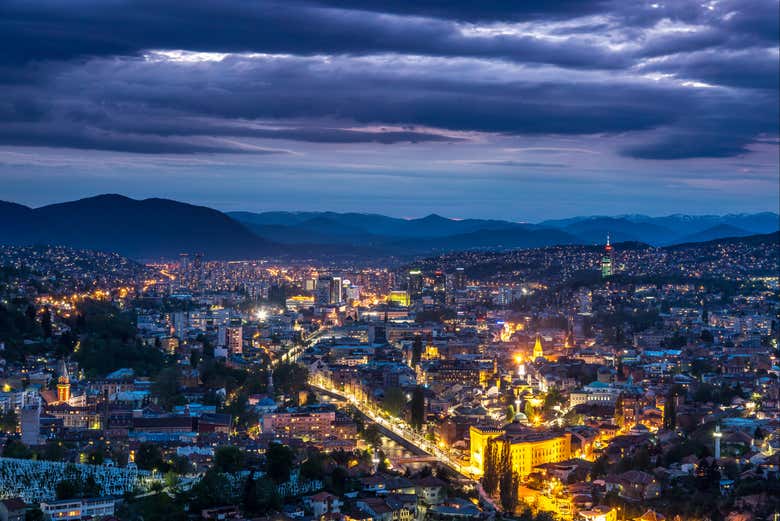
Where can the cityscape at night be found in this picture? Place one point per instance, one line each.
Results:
(330, 260)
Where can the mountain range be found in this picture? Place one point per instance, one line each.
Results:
(162, 228)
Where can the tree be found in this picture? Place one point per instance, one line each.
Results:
(166, 389)
(46, 326)
(670, 412)
(510, 412)
(260, 496)
(418, 408)
(394, 401)
(509, 480)
(229, 459)
(339, 479)
(372, 436)
(278, 462)
(8, 421)
(490, 467)
(417, 348)
(313, 467)
(289, 378)
(66, 489)
(149, 457)
(16, 449)
(213, 490)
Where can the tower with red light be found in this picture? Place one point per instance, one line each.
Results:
(607, 261)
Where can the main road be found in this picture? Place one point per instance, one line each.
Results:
(403, 431)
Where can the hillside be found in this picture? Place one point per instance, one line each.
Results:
(140, 229)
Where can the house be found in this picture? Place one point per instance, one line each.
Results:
(634, 485)
(650, 515)
(430, 490)
(13, 509)
(598, 513)
(455, 509)
(323, 503)
(221, 513)
(376, 507)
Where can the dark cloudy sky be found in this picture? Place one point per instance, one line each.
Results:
(493, 108)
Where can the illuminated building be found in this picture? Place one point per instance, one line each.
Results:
(415, 284)
(315, 423)
(299, 302)
(606, 261)
(235, 339)
(400, 298)
(599, 513)
(336, 291)
(68, 509)
(528, 448)
(63, 383)
(538, 351)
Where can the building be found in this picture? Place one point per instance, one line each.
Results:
(314, 423)
(538, 351)
(529, 448)
(13, 509)
(235, 339)
(607, 267)
(63, 383)
(31, 424)
(76, 509)
(414, 284)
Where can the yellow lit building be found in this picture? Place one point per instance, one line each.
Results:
(400, 298)
(528, 447)
(538, 351)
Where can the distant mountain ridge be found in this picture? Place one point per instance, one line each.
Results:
(373, 229)
(141, 229)
(163, 228)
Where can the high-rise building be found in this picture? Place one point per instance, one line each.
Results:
(235, 339)
(323, 293)
(336, 296)
(31, 423)
(459, 279)
(414, 285)
(607, 261)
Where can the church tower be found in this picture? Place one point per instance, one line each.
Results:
(538, 351)
(63, 383)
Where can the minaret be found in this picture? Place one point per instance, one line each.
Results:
(63, 383)
(538, 351)
(717, 435)
(606, 260)
(269, 388)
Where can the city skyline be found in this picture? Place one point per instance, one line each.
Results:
(515, 112)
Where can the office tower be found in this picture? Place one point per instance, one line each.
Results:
(460, 279)
(322, 297)
(414, 284)
(335, 291)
